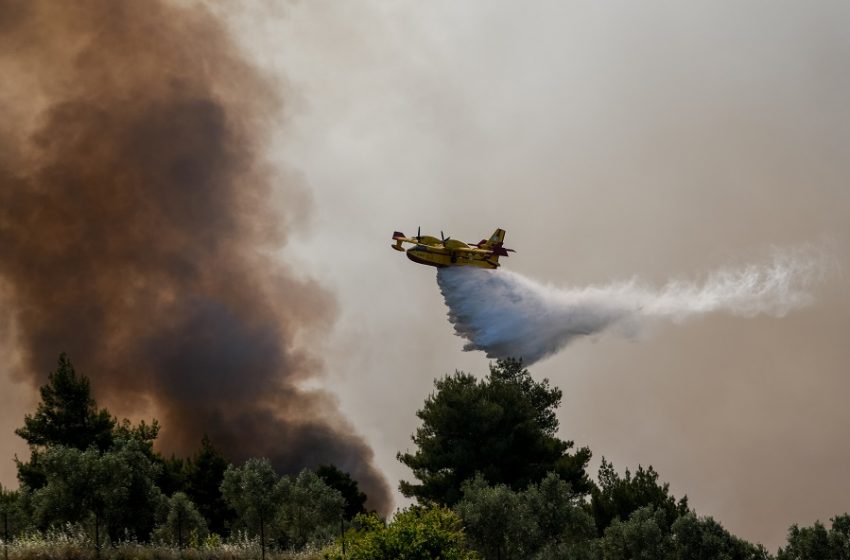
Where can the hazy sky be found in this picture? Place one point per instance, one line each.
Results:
(610, 140)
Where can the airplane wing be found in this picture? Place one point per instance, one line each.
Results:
(472, 251)
(399, 238)
(429, 240)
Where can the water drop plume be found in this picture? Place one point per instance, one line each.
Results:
(507, 314)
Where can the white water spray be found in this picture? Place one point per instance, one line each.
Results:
(506, 314)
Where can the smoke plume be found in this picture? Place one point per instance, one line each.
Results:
(137, 231)
(506, 314)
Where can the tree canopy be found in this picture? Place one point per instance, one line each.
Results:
(114, 488)
(494, 482)
(502, 427)
(67, 414)
(309, 510)
(204, 474)
(415, 534)
(544, 520)
(355, 500)
(816, 542)
(616, 497)
(252, 490)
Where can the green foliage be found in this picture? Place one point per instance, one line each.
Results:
(71, 542)
(415, 534)
(562, 523)
(114, 489)
(252, 490)
(67, 414)
(14, 513)
(200, 478)
(204, 474)
(703, 538)
(545, 520)
(616, 497)
(502, 427)
(182, 520)
(172, 474)
(145, 434)
(135, 518)
(310, 510)
(80, 484)
(499, 523)
(642, 537)
(355, 500)
(816, 542)
(30, 473)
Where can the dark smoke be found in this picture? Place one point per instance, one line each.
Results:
(136, 231)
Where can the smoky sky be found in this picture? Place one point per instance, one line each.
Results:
(139, 224)
(613, 141)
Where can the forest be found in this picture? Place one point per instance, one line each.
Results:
(493, 481)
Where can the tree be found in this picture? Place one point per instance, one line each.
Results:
(563, 526)
(809, 543)
(641, 537)
(114, 489)
(502, 427)
(433, 533)
(616, 497)
(13, 513)
(173, 474)
(839, 536)
(80, 484)
(204, 475)
(68, 416)
(545, 520)
(646, 536)
(310, 510)
(355, 500)
(181, 520)
(703, 538)
(135, 516)
(498, 522)
(252, 490)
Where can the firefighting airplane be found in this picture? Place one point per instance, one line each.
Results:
(445, 252)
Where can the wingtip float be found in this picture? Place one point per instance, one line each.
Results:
(444, 251)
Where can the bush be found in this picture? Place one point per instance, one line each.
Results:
(415, 534)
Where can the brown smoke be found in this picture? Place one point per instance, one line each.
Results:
(136, 230)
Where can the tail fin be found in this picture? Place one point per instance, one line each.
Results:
(398, 236)
(495, 244)
(497, 238)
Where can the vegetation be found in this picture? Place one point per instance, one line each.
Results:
(494, 482)
(181, 523)
(616, 497)
(816, 541)
(414, 534)
(502, 427)
(355, 500)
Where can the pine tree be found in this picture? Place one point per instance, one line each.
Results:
(204, 475)
(66, 416)
(355, 500)
(503, 427)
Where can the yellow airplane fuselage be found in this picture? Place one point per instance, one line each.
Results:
(442, 258)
